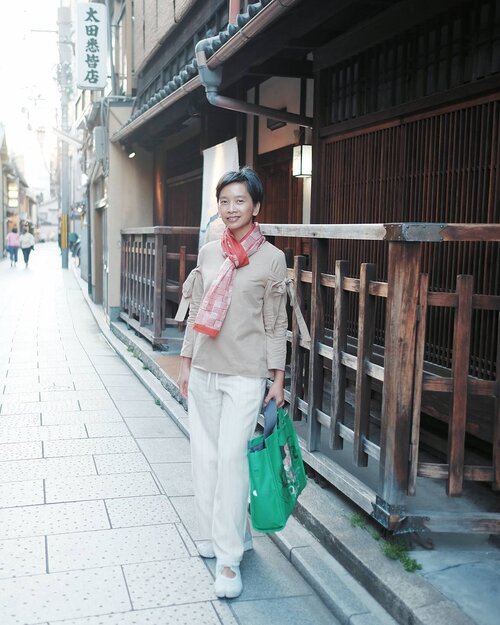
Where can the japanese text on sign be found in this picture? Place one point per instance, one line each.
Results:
(91, 46)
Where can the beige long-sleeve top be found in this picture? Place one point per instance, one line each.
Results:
(252, 340)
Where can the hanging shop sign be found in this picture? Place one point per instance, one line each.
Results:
(91, 46)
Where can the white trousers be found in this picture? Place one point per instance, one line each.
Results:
(223, 411)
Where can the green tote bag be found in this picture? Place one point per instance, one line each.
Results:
(277, 475)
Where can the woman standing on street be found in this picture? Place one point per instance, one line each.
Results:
(235, 339)
(12, 240)
(27, 241)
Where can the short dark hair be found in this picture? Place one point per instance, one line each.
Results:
(246, 175)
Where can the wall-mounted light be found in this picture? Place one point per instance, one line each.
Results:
(302, 161)
(128, 149)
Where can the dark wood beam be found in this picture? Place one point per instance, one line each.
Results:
(287, 68)
(316, 38)
(167, 123)
(396, 19)
(296, 23)
(480, 88)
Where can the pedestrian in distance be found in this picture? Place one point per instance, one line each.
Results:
(27, 242)
(72, 239)
(12, 240)
(235, 340)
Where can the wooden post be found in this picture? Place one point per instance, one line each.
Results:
(496, 420)
(137, 274)
(135, 256)
(417, 384)
(182, 277)
(151, 277)
(122, 273)
(316, 376)
(339, 346)
(128, 274)
(124, 294)
(460, 367)
(399, 360)
(158, 286)
(297, 352)
(164, 283)
(148, 282)
(289, 257)
(142, 257)
(366, 333)
(182, 269)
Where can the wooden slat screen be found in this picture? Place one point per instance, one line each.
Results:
(183, 202)
(282, 199)
(152, 273)
(457, 47)
(443, 166)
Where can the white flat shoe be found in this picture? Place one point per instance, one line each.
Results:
(206, 548)
(229, 587)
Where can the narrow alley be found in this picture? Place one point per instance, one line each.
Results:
(96, 515)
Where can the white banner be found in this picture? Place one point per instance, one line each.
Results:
(217, 160)
(91, 46)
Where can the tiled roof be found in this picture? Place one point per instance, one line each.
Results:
(190, 70)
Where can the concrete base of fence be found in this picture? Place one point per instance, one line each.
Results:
(408, 597)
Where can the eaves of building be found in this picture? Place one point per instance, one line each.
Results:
(218, 49)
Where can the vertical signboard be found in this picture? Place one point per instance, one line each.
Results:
(91, 46)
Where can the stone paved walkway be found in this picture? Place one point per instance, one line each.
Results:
(96, 507)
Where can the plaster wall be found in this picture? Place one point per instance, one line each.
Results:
(130, 199)
(280, 93)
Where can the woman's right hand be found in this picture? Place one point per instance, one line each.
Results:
(184, 373)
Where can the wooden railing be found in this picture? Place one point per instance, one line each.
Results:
(376, 400)
(336, 383)
(155, 263)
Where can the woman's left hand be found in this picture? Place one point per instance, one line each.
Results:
(276, 391)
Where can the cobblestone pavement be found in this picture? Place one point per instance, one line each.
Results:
(96, 507)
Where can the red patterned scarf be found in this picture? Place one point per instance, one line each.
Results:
(215, 305)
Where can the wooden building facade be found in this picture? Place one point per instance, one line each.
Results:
(403, 306)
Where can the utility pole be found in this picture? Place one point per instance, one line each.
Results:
(65, 88)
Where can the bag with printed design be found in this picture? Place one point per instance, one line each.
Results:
(277, 474)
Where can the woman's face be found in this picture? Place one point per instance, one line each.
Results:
(237, 209)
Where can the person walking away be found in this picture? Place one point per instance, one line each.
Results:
(235, 339)
(72, 239)
(12, 240)
(27, 242)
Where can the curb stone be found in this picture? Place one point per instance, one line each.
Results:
(345, 598)
(408, 597)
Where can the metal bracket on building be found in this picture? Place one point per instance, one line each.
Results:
(393, 232)
(414, 232)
